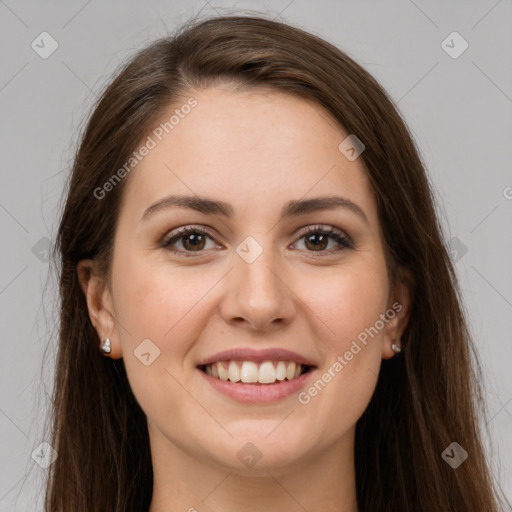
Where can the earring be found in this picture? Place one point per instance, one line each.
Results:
(396, 348)
(105, 347)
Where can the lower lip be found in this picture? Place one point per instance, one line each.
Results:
(258, 393)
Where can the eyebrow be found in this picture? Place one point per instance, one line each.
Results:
(292, 208)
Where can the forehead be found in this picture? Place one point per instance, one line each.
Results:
(251, 148)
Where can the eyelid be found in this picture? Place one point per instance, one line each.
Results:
(324, 228)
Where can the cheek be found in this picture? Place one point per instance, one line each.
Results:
(347, 301)
(163, 303)
(157, 303)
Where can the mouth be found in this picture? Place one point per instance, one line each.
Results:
(262, 376)
(265, 373)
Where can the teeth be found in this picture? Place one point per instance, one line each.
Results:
(267, 373)
(223, 373)
(249, 372)
(290, 371)
(234, 372)
(281, 370)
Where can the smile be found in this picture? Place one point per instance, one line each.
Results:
(265, 372)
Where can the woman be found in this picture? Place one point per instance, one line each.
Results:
(258, 308)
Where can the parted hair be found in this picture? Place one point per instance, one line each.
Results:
(424, 400)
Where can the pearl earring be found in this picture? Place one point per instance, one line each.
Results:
(396, 348)
(105, 347)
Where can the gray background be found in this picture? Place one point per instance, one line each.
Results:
(458, 109)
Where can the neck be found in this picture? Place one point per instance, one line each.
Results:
(320, 482)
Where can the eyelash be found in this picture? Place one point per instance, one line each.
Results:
(344, 242)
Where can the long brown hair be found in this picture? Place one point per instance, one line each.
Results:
(425, 399)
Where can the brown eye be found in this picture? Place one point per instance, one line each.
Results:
(316, 241)
(192, 240)
(317, 238)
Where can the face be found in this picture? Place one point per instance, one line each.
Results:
(270, 271)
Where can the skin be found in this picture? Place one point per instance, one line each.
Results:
(255, 149)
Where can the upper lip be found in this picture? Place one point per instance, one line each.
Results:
(249, 354)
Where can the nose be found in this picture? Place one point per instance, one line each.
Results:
(258, 295)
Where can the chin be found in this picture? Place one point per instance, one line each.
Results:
(261, 451)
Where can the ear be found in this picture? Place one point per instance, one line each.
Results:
(99, 304)
(398, 311)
